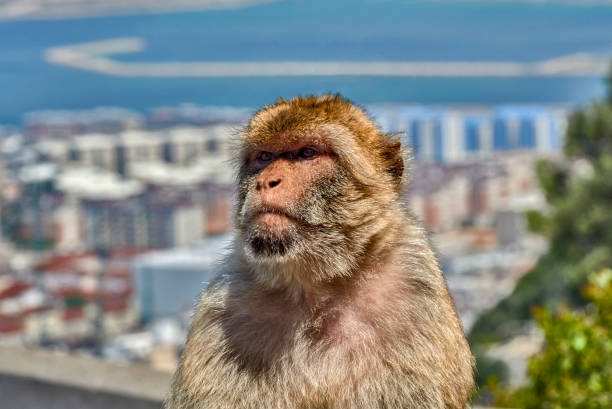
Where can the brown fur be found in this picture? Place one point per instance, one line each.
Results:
(345, 306)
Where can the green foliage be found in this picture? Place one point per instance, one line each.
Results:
(553, 179)
(488, 368)
(578, 226)
(589, 133)
(74, 301)
(37, 243)
(574, 368)
(609, 84)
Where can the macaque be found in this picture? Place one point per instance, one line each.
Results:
(332, 296)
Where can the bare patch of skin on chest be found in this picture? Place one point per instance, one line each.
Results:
(358, 319)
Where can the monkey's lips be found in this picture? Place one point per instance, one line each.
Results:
(273, 220)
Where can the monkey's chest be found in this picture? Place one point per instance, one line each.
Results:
(338, 346)
(329, 374)
(273, 364)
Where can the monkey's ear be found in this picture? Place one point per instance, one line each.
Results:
(394, 159)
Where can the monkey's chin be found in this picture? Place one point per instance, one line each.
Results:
(269, 248)
(270, 242)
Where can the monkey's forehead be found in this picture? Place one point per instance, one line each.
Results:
(301, 115)
(286, 140)
(291, 144)
(285, 134)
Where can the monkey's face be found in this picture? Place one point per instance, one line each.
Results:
(316, 175)
(284, 191)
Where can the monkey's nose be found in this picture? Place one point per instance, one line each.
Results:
(267, 183)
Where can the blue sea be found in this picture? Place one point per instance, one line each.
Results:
(315, 30)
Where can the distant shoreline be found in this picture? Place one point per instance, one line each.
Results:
(72, 9)
(57, 10)
(95, 57)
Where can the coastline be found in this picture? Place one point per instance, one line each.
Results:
(57, 10)
(95, 57)
(65, 9)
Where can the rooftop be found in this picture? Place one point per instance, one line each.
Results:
(94, 184)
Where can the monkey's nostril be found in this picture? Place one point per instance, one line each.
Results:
(274, 183)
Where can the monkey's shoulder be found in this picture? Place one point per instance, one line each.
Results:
(233, 301)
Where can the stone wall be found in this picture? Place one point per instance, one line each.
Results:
(33, 379)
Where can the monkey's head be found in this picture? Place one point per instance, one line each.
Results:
(316, 176)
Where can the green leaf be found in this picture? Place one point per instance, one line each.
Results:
(579, 342)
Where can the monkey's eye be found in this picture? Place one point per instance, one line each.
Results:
(307, 153)
(264, 156)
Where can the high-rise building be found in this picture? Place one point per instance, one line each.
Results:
(168, 282)
(112, 209)
(527, 128)
(450, 135)
(119, 152)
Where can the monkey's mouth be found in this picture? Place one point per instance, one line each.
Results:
(270, 231)
(272, 218)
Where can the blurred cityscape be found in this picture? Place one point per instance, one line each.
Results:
(117, 129)
(112, 220)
